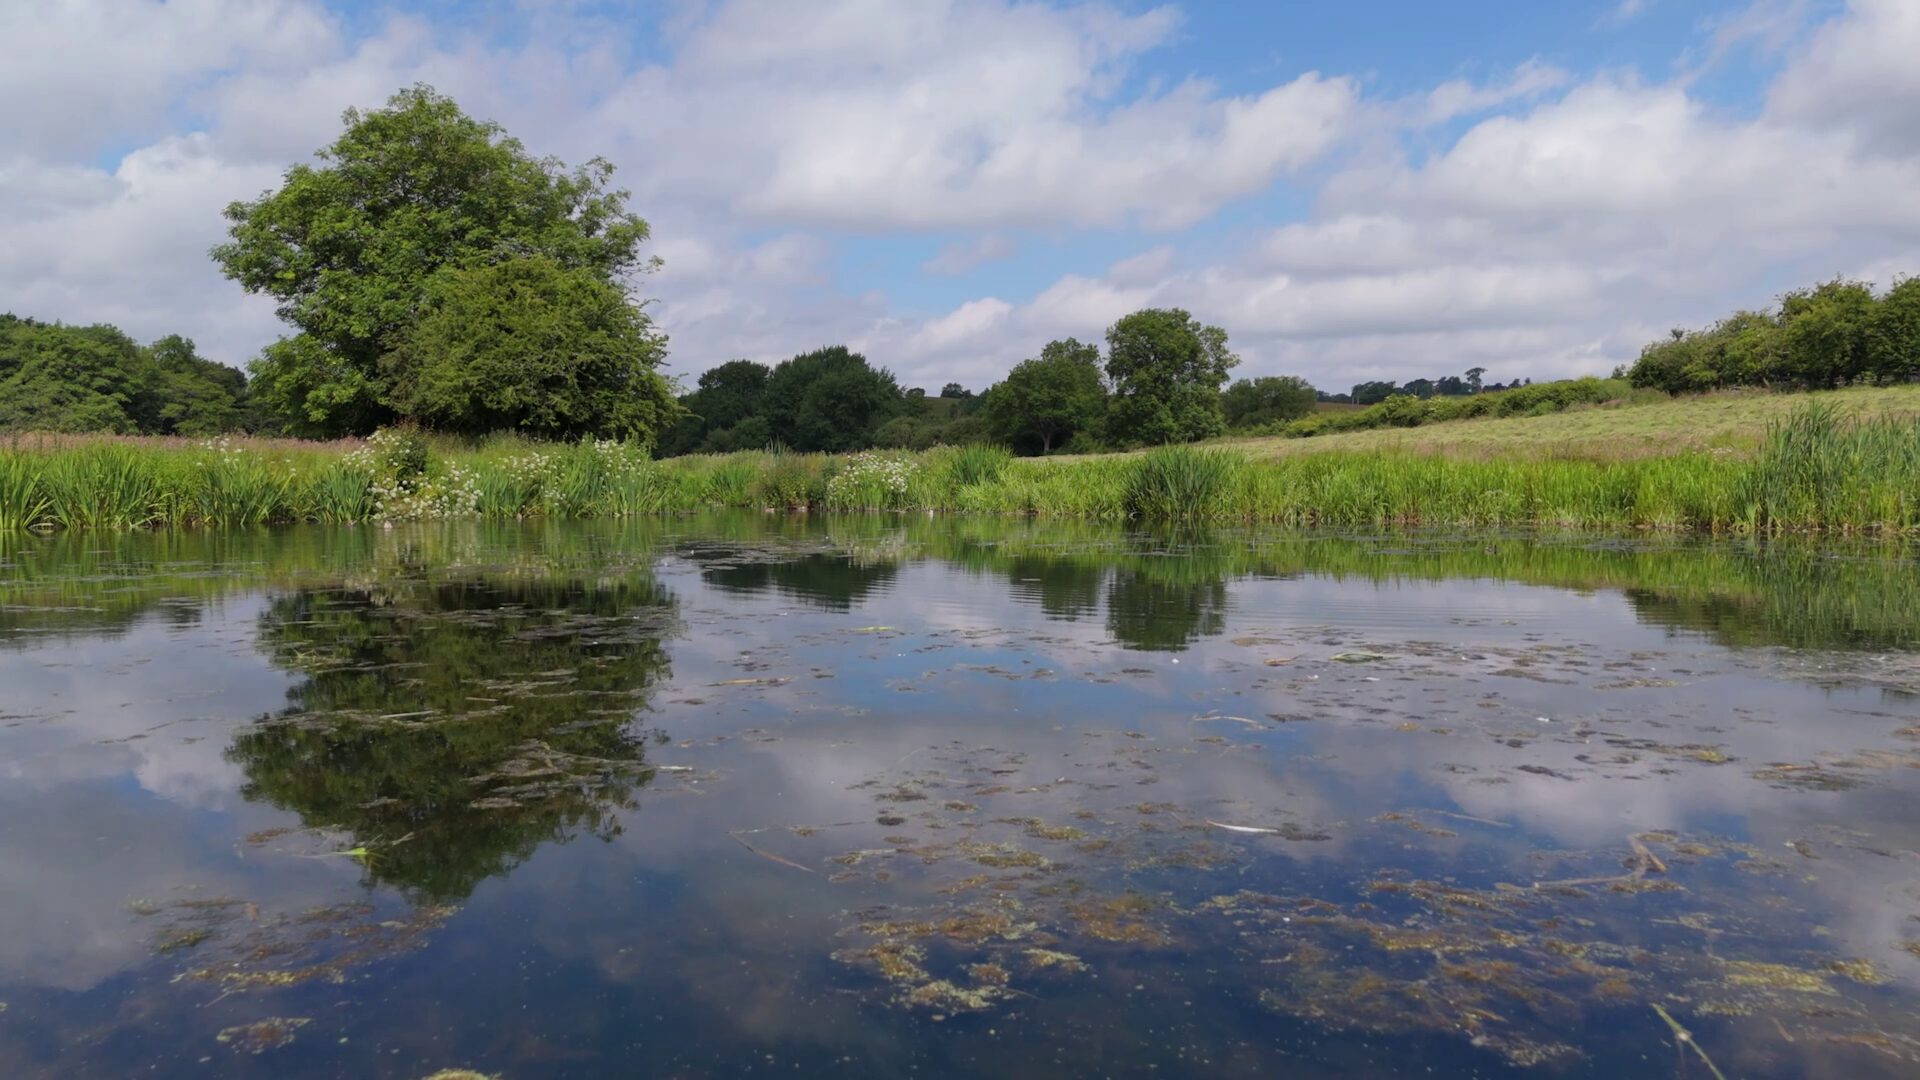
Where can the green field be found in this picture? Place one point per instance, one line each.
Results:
(1731, 420)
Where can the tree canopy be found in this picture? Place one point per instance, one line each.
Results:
(1837, 333)
(530, 345)
(829, 399)
(1050, 397)
(94, 378)
(410, 215)
(1166, 369)
(1266, 400)
(725, 413)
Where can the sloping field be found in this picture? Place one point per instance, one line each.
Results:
(1735, 421)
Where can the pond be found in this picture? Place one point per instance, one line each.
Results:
(939, 797)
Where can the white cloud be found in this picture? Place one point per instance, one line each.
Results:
(1144, 268)
(1859, 74)
(1573, 217)
(969, 322)
(1458, 97)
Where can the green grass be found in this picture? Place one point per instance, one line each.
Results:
(1843, 462)
(1640, 426)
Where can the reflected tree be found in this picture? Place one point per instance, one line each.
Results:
(453, 728)
(1169, 592)
(1065, 589)
(830, 582)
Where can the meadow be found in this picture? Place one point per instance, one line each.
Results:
(1755, 464)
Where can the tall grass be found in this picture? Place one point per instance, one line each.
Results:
(23, 500)
(1815, 471)
(1182, 483)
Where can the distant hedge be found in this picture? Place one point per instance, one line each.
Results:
(1402, 410)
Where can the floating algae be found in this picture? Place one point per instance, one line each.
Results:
(249, 950)
(262, 1035)
(1053, 960)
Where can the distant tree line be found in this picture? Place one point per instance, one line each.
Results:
(1372, 393)
(55, 377)
(1838, 333)
(1159, 381)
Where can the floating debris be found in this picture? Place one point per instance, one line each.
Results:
(262, 1035)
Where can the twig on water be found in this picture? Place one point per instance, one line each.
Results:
(1684, 1038)
(782, 860)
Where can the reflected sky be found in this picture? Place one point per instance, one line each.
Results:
(688, 797)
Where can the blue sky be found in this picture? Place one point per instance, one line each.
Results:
(1378, 188)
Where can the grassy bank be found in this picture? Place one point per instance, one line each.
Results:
(1639, 425)
(1814, 470)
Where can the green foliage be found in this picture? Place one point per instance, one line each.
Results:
(60, 378)
(1834, 334)
(358, 247)
(1267, 400)
(1817, 471)
(1166, 370)
(1049, 398)
(978, 465)
(339, 493)
(1402, 410)
(731, 483)
(871, 480)
(791, 481)
(23, 501)
(191, 395)
(1182, 483)
(829, 400)
(1894, 351)
(100, 486)
(725, 413)
(228, 486)
(529, 345)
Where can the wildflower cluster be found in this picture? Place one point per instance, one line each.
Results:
(399, 453)
(529, 470)
(223, 448)
(871, 480)
(455, 493)
(395, 462)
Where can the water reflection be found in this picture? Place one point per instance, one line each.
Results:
(451, 728)
(830, 582)
(1407, 804)
(1158, 591)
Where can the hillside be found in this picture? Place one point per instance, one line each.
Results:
(1732, 420)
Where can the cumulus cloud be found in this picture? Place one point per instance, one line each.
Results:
(1540, 222)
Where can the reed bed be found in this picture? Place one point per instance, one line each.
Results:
(1815, 471)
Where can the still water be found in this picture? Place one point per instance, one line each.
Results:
(874, 797)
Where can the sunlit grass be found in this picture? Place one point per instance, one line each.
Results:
(1825, 467)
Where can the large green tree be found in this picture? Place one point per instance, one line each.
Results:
(400, 219)
(1268, 399)
(1166, 369)
(830, 399)
(190, 394)
(528, 344)
(1050, 397)
(1894, 353)
(1828, 332)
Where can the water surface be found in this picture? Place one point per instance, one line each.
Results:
(882, 796)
